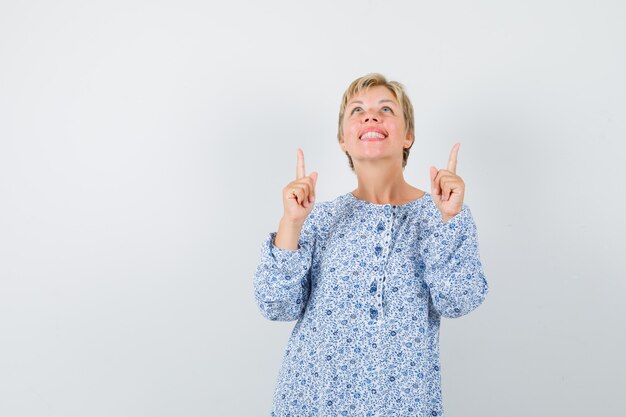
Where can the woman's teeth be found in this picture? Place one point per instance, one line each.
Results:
(373, 135)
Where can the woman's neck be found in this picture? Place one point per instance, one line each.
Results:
(383, 184)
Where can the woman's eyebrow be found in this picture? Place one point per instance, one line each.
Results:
(385, 100)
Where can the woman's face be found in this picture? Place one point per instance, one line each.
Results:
(374, 126)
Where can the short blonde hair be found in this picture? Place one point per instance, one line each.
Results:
(397, 89)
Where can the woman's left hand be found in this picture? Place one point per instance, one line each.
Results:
(447, 188)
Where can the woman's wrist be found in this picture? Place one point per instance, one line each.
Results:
(288, 234)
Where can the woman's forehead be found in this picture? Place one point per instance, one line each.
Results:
(378, 90)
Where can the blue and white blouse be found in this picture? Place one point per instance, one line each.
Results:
(368, 286)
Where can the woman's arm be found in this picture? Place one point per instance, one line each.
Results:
(282, 278)
(452, 267)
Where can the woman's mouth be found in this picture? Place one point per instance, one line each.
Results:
(372, 137)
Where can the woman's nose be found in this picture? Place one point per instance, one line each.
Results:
(369, 117)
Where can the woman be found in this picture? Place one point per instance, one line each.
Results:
(368, 275)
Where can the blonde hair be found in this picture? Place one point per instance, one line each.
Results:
(397, 89)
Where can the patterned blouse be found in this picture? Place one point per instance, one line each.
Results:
(368, 286)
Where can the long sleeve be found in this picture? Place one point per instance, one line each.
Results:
(282, 278)
(452, 267)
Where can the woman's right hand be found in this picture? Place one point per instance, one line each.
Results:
(299, 195)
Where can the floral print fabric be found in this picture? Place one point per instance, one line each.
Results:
(368, 286)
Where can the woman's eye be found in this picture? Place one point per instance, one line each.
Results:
(355, 109)
(387, 108)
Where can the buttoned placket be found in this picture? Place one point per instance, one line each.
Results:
(389, 216)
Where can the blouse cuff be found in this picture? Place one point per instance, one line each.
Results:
(289, 259)
(444, 238)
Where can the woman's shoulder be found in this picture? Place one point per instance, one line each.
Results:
(326, 213)
(331, 204)
(328, 208)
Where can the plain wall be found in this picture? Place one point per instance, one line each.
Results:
(144, 146)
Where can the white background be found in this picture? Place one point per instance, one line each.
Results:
(144, 146)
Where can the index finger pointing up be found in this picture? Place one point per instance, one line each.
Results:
(300, 165)
(453, 156)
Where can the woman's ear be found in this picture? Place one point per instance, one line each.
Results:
(408, 142)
